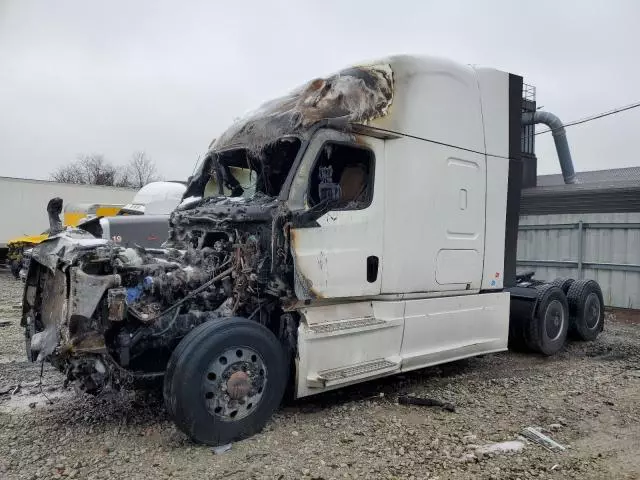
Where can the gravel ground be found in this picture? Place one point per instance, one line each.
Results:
(587, 397)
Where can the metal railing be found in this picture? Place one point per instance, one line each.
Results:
(580, 264)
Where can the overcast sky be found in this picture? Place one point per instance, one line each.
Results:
(113, 77)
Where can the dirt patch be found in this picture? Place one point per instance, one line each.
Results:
(585, 398)
(625, 315)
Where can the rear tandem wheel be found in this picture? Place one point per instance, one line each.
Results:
(586, 309)
(546, 331)
(563, 283)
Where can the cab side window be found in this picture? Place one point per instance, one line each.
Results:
(343, 174)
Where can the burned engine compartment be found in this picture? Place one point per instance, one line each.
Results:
(121, 311)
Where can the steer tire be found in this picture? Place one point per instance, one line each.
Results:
(586, 309)
(546, 331)
(171, 366)
(197, 380)
(563, 283)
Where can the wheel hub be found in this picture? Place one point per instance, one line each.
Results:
(238, 385)
(592, 311)
(554, 319)
(234, 383)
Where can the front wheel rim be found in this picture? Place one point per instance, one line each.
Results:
(234, 383)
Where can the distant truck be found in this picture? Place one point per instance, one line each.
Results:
(73, 215)
(23, 202)
(144, 221)
(76, 213)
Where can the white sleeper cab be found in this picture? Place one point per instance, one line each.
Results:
(363, 225)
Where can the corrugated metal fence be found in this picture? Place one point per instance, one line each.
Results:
(601, 246)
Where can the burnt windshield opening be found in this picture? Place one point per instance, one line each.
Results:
(243, 173)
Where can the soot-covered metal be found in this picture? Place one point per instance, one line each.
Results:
(357, 95)
(106, 315)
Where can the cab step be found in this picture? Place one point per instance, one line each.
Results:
(346, 326)
(351, 373)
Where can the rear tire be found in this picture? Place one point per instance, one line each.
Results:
(28, 334)
(563, 283)
(224, 380)
(546, 331)
(27, 347)
(586, 309)
(16, 266)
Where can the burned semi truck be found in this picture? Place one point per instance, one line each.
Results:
(361, 226)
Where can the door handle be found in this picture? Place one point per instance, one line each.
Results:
(372, 268)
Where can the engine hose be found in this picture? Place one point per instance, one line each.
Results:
(198, 290)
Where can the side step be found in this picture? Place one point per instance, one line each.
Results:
(343, 326)
(353, 373)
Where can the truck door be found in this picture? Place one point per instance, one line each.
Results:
(339, 254)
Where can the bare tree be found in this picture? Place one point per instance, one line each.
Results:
(90, 169)
(71, 173)
(95, 170)
(140, 170)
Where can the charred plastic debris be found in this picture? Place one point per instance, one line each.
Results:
(107, 315)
